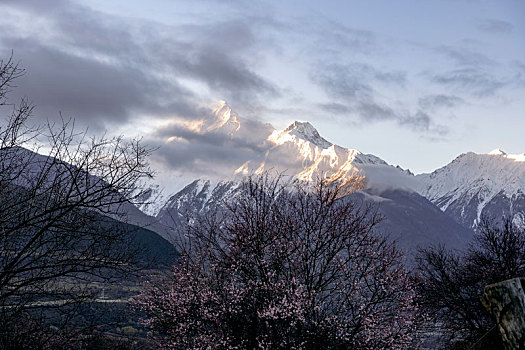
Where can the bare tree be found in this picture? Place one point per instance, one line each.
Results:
(450, 284)
(284, 268)
(57, 227)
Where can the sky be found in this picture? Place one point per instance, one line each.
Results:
(414, 82)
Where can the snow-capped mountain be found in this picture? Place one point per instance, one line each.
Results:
(301, 152)
(298, 151)
(409, 218)
(473, 185)
(197, 197)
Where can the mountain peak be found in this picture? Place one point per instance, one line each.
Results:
(221, 109)
(300, 125)
(223, 118)
(307, 132)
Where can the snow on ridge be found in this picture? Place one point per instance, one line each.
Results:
(297, 132)
(497, 152)
(309, 156)
(475, 176)
(515, 157)
(307, 138)
(307, 132)
(470, 170)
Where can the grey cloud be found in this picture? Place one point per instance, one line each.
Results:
(350, 80)
(329, 37)
(351, 88)
(372, 111)
(474, 73)
(342, 82)
(519, 73)
(495, 26)
(205, 158)
(433, 102)
(368, 72)
(93, 91)
(418, 121)
(391, 77)
(335, 108)
(101, 68)
(233, 35)
(353, 81)
(470, 80)
(233, 78)
(36, 5)
(465, 57)
(214, 152)
(421, 121)
(211, 139)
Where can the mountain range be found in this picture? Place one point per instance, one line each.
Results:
(443, 207)
(440, 208)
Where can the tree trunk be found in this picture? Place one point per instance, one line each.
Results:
(505, 301)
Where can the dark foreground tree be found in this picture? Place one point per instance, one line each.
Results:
(450, 284)
(284, 268)
(57, 240)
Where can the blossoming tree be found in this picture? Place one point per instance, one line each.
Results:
(284, 267)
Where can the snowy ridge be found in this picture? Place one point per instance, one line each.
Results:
(300, 151)
(300, 130)
(199, 196)
(515, 157)
(491, 172)
(476, 181)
